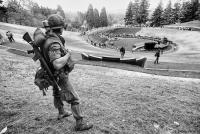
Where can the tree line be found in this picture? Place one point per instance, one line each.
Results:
(29, 13)
(137, 13)
(26, 12)
(92, 18)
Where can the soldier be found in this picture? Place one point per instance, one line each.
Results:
(57, 57)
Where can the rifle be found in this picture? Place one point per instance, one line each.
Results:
(38, 56)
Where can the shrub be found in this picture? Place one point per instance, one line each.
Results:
(149, 45)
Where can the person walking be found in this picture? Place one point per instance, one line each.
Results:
(10, 36)
(157, 55)
(57, 58)
(122, 51)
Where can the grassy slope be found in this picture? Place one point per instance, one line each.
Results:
(116, 101)
(164, 65)
(187, 41)
(123, 30)
(129, 42)
(195, 24)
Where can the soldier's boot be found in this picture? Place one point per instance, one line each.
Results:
(80, 124)
(62, 113)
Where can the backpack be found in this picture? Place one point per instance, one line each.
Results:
(42, 79)
(43, 42)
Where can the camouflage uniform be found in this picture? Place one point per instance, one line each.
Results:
(55, 50)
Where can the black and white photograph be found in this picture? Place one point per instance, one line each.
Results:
(100, 67)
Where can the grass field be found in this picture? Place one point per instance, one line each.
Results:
(128, 43)
(193, 24)
(123, 30)
(116, 101)
(167, 68)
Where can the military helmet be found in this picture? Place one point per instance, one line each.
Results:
(56, 21)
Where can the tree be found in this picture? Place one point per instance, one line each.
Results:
(176, 14)
(157, 16)
(195, 5)
(186, 12)
(103, 17)
(76, 23)
(143, 12)
(81, 17)
(198, 13)
(167, 14)
(15, 12)
(96, 18)
(3, 10)
(90, 16)
(61, 11)
(135, 11)
(129, 14)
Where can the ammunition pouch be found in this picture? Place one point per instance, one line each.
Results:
(42, 79)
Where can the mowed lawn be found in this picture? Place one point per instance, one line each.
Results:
(128, 43)
(116, 101)
(124, 30)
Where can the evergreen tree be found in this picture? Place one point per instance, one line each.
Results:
(195, 4)
(186, 12)
(96, 18)
(167, 14)
(3, 11)
(90, 16)
(135, 11)
(61, 11)
(81, 17)
(103, 17)
(198, 13)
(143, 12)
(157, 16)
(176, 14)
(129, 14)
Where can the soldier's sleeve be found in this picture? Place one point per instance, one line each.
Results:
(54, 52)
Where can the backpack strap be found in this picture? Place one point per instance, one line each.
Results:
(51, 39)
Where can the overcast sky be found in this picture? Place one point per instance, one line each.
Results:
(82, 5)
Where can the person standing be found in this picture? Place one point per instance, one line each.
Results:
(10, 36)
(57, 58)
(122, 51)
(157, 55)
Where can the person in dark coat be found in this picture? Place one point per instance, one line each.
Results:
(122, 51)
(157, 55)
(10, 36)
